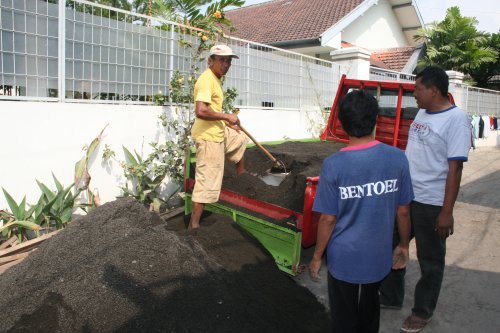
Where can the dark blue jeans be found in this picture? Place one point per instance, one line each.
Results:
(354, 307)
(431, 251)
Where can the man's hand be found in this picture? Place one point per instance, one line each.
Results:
(234, 127)
(232, 119)
(400, 257)
(444, 224)
(314, 267)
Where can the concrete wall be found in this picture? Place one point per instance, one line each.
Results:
(39, 138)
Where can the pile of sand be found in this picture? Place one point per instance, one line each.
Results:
(124, 269)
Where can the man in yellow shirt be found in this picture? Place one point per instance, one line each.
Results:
(215, 133)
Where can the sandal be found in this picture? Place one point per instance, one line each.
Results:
(414, 324)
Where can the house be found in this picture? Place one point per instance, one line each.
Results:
(319, 27)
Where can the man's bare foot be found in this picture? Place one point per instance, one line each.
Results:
(193, 225)
(246, 171)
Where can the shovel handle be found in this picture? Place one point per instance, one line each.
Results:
(259, 145)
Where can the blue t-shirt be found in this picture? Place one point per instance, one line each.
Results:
(363, 187)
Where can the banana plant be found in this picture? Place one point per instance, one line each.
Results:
(82, 176)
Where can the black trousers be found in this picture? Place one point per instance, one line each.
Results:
(355, 308)
(431, 251)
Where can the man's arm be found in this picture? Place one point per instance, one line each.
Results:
(203, 111)
(326, 225)
(401, 256)
(445, 221)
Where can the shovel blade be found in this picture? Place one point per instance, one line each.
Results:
(273, 179)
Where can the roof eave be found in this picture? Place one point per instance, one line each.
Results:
(296, 42)
(409, 17)
(337, 28)
(411, 64)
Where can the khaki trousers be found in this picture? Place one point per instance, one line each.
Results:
(210, 164)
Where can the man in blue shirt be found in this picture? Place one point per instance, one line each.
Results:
(362, 189)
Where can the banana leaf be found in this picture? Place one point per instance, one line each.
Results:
(81, 167)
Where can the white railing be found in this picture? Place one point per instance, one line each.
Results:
(379, 74)
(78, 51)
(86, 52)
(475, 101)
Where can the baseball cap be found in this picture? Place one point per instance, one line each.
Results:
(222, 50)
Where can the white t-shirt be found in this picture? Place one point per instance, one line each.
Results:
(434, 139)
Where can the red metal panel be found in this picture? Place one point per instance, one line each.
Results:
(310, 223)
(398, 117)
(390, 130)
(273, 211)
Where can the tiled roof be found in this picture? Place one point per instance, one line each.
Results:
(395, 58)
(375, 61)
(288, 20)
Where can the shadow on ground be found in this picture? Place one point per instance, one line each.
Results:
(479, 192)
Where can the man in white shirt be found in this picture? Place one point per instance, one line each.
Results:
(439, 142)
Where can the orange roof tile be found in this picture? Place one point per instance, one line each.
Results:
(288, 20)
(395, 58)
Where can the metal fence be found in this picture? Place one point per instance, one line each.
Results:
(475, 101)
(379, 74)
(80, 51)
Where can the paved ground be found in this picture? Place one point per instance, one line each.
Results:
(470, 296)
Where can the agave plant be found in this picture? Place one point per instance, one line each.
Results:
(20, 219)
(61, 203)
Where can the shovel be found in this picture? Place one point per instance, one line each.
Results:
(278, 171)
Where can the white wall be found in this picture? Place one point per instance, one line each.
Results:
(378, 28)
(493, 140)
(39, 138)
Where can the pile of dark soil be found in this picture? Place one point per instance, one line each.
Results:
(123, 269)
(302, 159)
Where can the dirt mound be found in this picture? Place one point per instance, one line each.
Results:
(303, 159)
(123, 269)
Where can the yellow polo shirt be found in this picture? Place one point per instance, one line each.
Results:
(208, 89)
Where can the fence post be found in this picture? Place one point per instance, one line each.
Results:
(477, 104)
(171, 56)
(61, 52)
(356, 59)
(466, 98)
(247, 73)
(301, 83)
